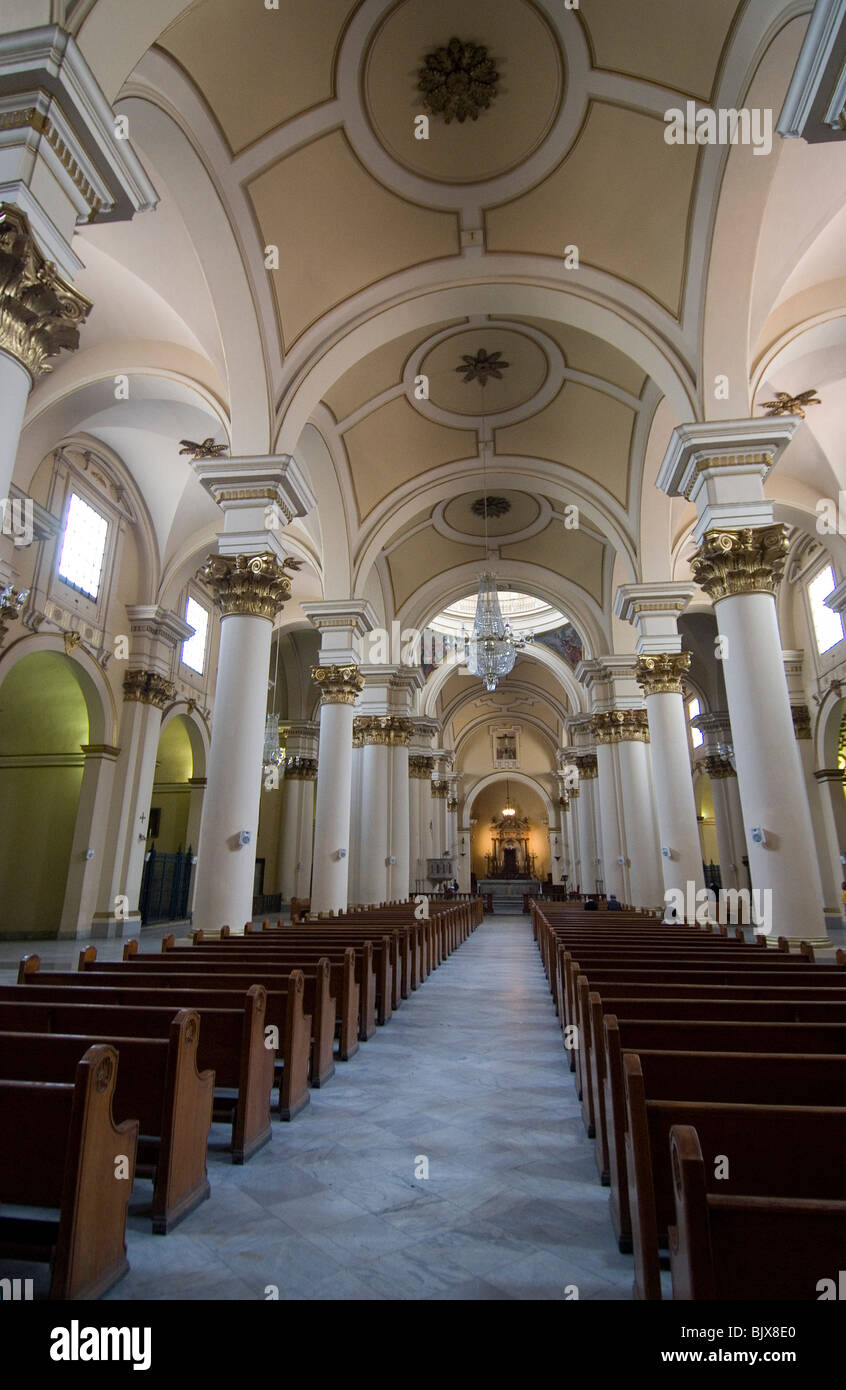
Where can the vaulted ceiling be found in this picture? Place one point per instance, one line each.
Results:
(323, 261)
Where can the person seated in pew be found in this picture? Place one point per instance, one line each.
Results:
(613, 904)
(591, 905)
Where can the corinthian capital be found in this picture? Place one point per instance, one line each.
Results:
(746, 561)
(40, 313)
(621, 726)
(661, 674)
(148, 688)
(339, 685)
(252, 586)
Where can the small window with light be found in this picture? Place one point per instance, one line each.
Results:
(83, 547)
(194, 648)
(828, 625)
(694, 708)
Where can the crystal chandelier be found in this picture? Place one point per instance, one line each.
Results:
(492, 646)
(508, 809)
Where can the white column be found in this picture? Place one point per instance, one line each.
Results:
(297, 832)
(339, 687)
(614, 875)
(399, 837)
(645, 881)
(721, 467)
(85, 866)
(120, 887)
(439, 793)
(225, 860)
(196, 796)
(15, 386)
(588, 774)
(413, 824)
(373, 871)
(828, 854)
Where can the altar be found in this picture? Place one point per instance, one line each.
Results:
(507, 893)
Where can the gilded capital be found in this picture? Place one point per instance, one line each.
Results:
(148, 688)
(249, 586)
(662, 674)
(339, 685)
(452, 803)
(420, 766)
(40, 313)
(440, 790)
(621, 726)
(746, 561)
(587, 767)
(301, 769)
(573, 793)
(717, 767)
(385, 730)
(801, 720)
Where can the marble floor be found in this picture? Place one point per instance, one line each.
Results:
(469, 1075)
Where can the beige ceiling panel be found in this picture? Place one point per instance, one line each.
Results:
(258, 68)
(527, 56)
(338, 230)
(394, 444)
(582, 428)
(572, 554)
(424, 556)
(586, 353)
(673, 43)
(378, 370)
(622, 196)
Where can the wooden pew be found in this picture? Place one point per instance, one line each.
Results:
(820, 978)
(744, 1247)
(282, 1008)
(344, 987)
(749, 1005)
(61, 1149)
(232, 1038)
(319, 1003)
(768, 1117)
(158, 1085)
(676, 1037)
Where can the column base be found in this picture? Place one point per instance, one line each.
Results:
(106, 927)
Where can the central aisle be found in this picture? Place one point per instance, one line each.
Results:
(469, 1074)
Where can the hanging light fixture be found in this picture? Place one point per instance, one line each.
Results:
(508, 809)
(492, 647)
(273, 755)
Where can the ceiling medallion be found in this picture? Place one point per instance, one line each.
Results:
(458, 81)
(482, 366)
(490, 506)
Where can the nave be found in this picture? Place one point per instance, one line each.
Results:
(469, 1073)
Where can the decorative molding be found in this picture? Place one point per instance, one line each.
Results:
(457, 81)
(785, 404)
(831, 774)
(662, 674)
(480, 366)
(254, 586)
(301, 769)
(621, 726)
(745, 561)
(40, 313)
(339, 685)
(420, 766)
(148, 687)
(715, 766)
(384, 730)
(587, 766)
